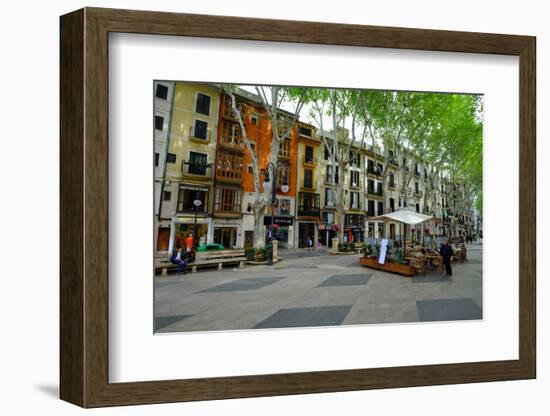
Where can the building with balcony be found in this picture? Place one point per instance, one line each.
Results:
(228, 179)
(189, 165)
(309, 183)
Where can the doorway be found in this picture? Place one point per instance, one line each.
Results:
(305, 230)
(226, 236)
(163, 239)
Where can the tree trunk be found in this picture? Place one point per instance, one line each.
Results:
(340, 207)
(259, 234)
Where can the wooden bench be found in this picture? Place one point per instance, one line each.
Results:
(205, 258)
(164, 266)
(219, 257)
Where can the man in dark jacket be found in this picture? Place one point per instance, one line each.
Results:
(446, 252)
(180, 259)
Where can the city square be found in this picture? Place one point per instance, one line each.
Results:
(315, 288)
(306, 207)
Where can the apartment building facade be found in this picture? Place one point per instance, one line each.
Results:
(187, 188)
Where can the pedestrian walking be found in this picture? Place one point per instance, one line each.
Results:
(309, 243)
(446, 251)
(180, 260)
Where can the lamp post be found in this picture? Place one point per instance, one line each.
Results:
(272, 185)
(197, 203)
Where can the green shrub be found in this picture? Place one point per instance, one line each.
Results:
(255, 254)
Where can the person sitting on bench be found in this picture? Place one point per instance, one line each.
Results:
(180, 260)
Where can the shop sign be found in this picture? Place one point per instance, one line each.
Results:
(280, 221)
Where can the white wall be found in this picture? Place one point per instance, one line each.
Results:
(29, 306)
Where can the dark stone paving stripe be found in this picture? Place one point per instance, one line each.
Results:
(346, 280)
(164, 321)
(448, 309)
(301, 317)
(251, 283)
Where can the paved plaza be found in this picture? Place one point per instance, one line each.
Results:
(308, 289)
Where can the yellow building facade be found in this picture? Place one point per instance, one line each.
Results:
(187, 190)
(309, 185)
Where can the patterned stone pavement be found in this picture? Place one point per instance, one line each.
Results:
(308, 289)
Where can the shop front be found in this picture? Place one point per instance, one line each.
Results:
(354, 230)
(326, 229)
(181, 227)
(306, 230)
(284, 232)
(227, 232)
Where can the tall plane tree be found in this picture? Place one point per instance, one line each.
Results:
(274, 99)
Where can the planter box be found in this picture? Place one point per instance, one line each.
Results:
(402, 269)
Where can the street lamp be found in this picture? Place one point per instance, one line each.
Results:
(197, 203)
(272, 186)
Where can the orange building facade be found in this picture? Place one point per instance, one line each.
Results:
(234, 177)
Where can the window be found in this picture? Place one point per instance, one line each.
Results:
(370, 186)
(330, 170)
(370, 166)
(379, 188)
(308, 178)
(370, 210)
(328, 217)
(284, 149)
(170, 158)
(250, 169)
(159, 122)
(329, 197)
(417, 207)
(309, 154)
(392, 204)
(304, 131)
(203, 104)
(201, 129)
(309, 202)
(157, 156)
(355, 159)
(354, 178)
(354, 200)
(197, 163)
(416, 188)
(379, 168)
(370, 230)
(227, 199)
(229, 165)
(231, 133)
(167, 195)
(380, 208)
(188, 194)
(253, 120)
(392, 180)
(162, 91)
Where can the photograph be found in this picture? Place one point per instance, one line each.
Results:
(292, 207)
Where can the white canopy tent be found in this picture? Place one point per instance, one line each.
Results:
(405, 217)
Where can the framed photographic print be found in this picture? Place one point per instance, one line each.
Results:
(255, 207)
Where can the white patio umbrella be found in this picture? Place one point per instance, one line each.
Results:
(403, 216)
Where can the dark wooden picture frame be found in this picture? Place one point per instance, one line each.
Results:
(84, 207)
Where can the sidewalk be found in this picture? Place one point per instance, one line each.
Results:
(315, 289)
